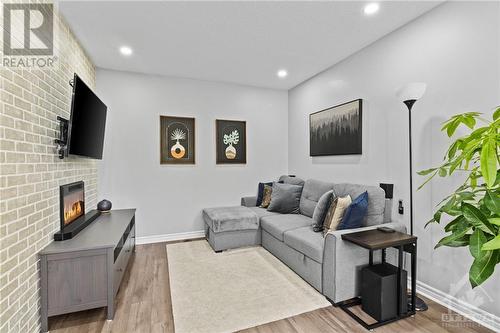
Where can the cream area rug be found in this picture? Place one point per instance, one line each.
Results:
(233, 290)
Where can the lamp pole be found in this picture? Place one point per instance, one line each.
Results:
(420, 304)
(409, 103)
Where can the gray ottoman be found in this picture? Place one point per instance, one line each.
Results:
(231, 227)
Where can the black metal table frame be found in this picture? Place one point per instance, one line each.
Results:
(409, 248)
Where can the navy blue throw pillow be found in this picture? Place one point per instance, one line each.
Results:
(260, 192)
(355, 213)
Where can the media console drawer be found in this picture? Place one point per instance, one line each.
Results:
(120, 264)
(85, 272)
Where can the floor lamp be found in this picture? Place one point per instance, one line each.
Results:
(409, 94)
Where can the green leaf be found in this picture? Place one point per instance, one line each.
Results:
(442, 172)
(427, 180)
(452, 127)
(452, 206)
(426, 172)
(473, 180)
(483, 268)
(494, 220)
(489, 161)
(496, 114)
(453, 149)
(478, 132)
(476, 218)
(430, 222)
(469, 121)
(450, 226)
(493, 244)
(492, 202)
(457, 235)
(464, 241)
(477, 239)
(437, 216)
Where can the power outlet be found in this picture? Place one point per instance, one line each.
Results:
(401, 209)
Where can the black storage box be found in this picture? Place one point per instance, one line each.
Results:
(379, 290)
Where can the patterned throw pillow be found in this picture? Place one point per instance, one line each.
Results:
(329, 215)
(260, 192)
(266, 196)
(342, 204)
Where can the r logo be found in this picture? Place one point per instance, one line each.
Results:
(28, 29)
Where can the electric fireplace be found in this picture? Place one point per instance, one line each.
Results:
(72, 211)
(72, 205)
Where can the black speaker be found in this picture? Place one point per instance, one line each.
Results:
(379, 290)
(388, 188)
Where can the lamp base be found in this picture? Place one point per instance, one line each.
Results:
(420, 304)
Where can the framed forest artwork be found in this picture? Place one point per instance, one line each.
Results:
(336, 130)
(177, 145)
(231, 141)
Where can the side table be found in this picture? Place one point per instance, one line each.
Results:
(374, 240)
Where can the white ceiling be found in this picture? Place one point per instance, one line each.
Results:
(237, 42)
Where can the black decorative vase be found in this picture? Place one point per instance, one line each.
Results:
(104, 206)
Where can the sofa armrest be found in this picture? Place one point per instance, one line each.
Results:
(343, 260)
(249, 201)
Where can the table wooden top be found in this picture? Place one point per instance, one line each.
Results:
(376, 239)
(104, 232)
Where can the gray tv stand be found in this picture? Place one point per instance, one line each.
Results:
(85, 272)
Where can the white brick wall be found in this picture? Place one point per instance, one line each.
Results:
(31, 172)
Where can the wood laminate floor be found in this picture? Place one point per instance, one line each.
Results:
(143, 305)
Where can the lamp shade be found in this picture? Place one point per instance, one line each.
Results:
(412, 91)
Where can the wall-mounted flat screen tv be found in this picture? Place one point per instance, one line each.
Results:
(87, 122)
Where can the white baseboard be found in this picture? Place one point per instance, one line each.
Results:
(467, 310)
(169, 237)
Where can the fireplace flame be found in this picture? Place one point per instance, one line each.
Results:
(72, 211)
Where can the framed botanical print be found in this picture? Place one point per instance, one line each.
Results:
(336, 130)
(177, 145)
(231, 141)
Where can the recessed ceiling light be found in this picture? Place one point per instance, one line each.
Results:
(126, 50)
(371, 8)
(282, 73)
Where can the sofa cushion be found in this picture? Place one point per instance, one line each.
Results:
(285, 198)
(312, 191)
(376, 200)
(321, 210)
(260, 192)
(261, 212)
(342, 204)
(291, 180)
(221, 219)
(307, 242)
(355, 213)
(276, 225)
(266, 196)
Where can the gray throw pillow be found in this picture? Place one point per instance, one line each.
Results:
(291, 180)
(285, 198)
(321, 209)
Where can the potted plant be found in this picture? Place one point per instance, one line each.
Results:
(474, 206)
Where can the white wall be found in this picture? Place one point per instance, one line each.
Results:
(169, 198)
(455, 50)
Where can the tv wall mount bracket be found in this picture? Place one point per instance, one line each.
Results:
(62, 142)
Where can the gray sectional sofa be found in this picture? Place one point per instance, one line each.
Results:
(329, 264)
